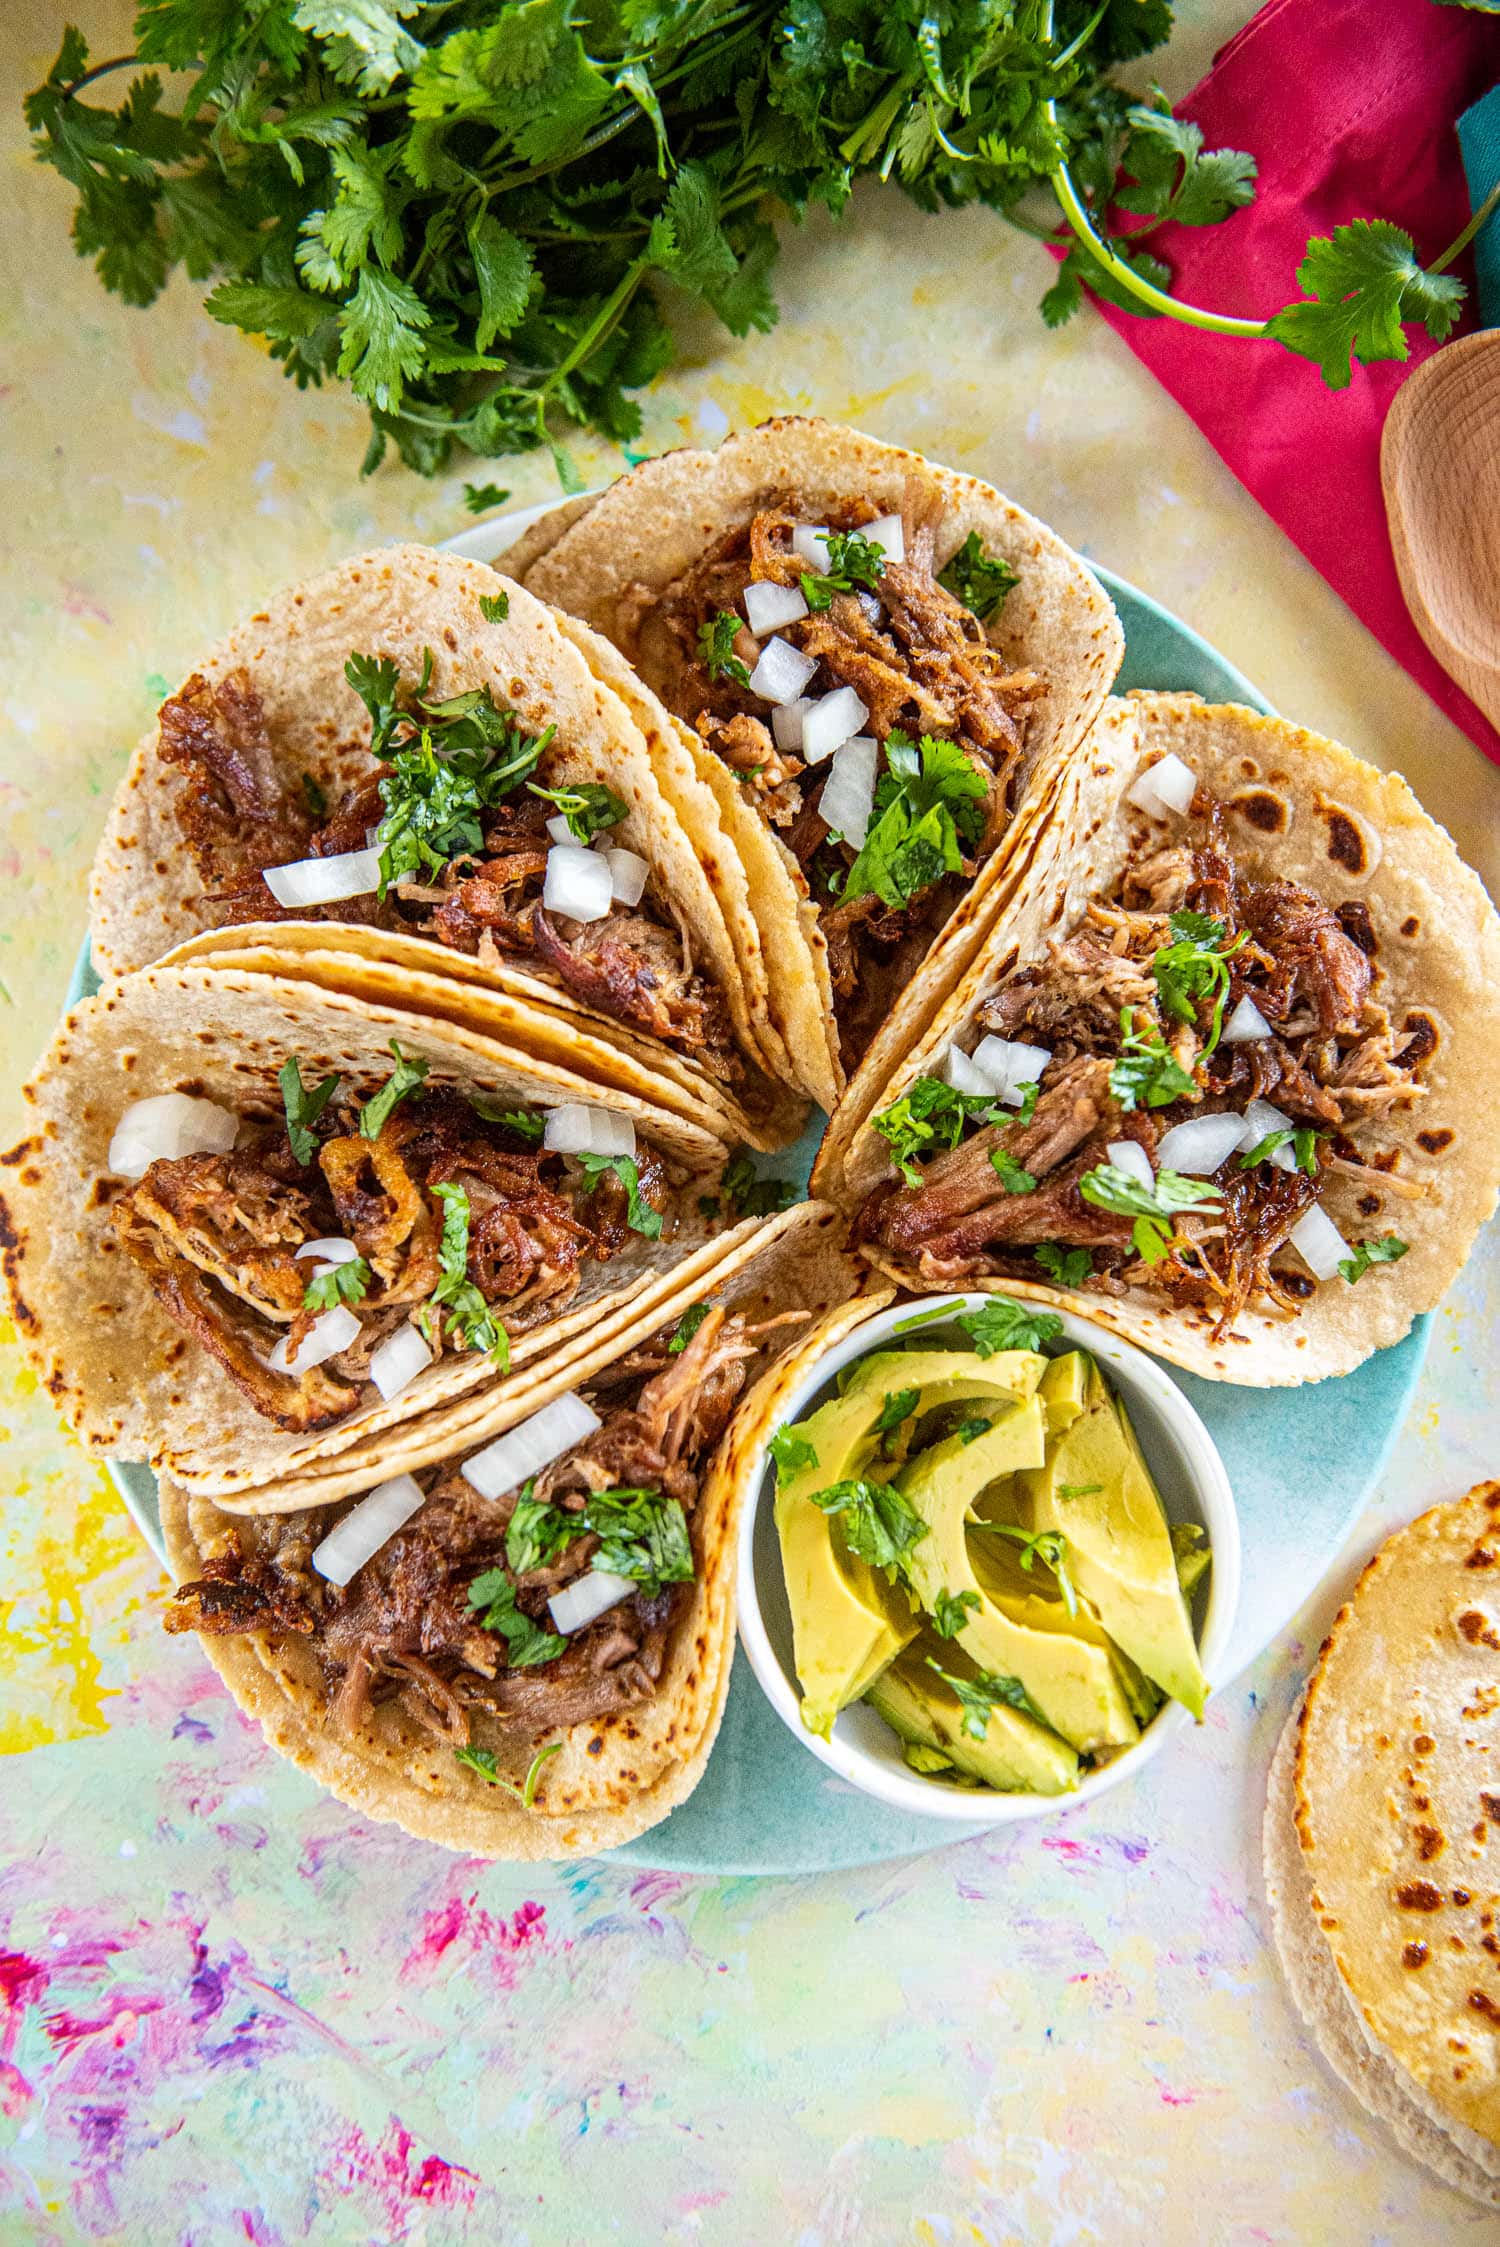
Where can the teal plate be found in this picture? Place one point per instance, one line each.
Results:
(1302, 1463)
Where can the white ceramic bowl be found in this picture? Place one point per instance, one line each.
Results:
(862, 1748)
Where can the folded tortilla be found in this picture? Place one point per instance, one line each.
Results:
(618, 1769)
(621, 562)
(280, 730)
(1297, 809)
(124, 1373)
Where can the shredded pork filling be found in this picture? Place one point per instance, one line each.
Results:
(1335, 1063)
(216, 1237)
(405, 1631)
(918, 660)
(240, 813)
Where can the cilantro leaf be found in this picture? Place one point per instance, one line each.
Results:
(1194, 970)
(791, 1451)
(1388, 1249)
(469, 1323)
(409, 1072)
(348, 1282)
(589, 807)
(1302, 1139)
(494, 607)
(929, 807)
(537, 1532)
(879, 1522)
(1005, 1324)
(493, 1597)
(1153, 1207)
(951, 1610)
(1030, 1094)
(687, 1326)
(313, 796)
(480, 498)
(1049, 1546)
(716, 653)
(524, 1122)
(744, 1193)
(981, 581)
(449, 762)
(640, 1216)
(642, 1534)
(929, 1117)
(1173, 178)
(852, 560)
(1364, 283)
(1070, 1267)
(969, 1431)
(899, 1405)
(1011, 1174)
(303, 1108)
(1146, 1074)
(985, 1691)
(482, 1761)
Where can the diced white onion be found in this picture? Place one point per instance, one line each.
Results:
(587, 1598)
(1319, 1243)
(786, 724)
(890, 532)
(849, 791)
(576, 1128)
(628, 874)
(768, 606)
(834, 719)
(869, 602)
(1246, 1024)
(1261, 1119)
(1168, 785)
(323, 881)
(961, 1073)
(810, 540)
(399, 1359)
(1131, 1157)
(579, 884)
(781, 672)
(559, 830)
(330, 1252)
(524, 1450)
(1198, 1145)
(329, 1333)
(365, 1528)
(1008, 1065)
(165, 1127)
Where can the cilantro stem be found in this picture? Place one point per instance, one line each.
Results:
(1460, 243)
(1190, 315)
(1075, 46)
(100, 70)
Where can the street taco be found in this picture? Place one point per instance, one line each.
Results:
(1234, 1047)
(254, 1224)
(409, 757)
(522, 1650)
(845, 628)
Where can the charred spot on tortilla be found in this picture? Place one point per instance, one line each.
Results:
(1270, 814)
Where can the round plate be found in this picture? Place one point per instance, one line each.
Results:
(766, 1806)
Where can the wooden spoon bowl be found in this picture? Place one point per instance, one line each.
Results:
(1440, 468)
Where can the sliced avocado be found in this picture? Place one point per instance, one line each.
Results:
(1017, 1372)
(1015, 1756)
(1072, 1682)
(1193, 1556)
(845, 1626)
(1144, 1697)
(1065, 1389)
(1097, 1489)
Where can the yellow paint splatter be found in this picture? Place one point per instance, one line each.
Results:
(67, 1537)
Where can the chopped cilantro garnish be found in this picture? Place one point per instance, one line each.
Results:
(880, 1524)
(951, 1611)
(480, 498)
(899, 1405)
(1030, 1094)
(469, 1322)
(981, 581)
(687, 1326)
(538, 1532)
(716, 653)
(524, 1122)
(341, 1283)
(1153, 1207)
(1011, 1174)
(1303, 1142)
(643, 1535)
(494, 607)
(1146, 1074)
(929, 806)
(303, 1108)
(932, 1317)
(1049, 1546)
(1070, 1267)
(1078, 1489)
(404, 1078)
(1194, 970)
(968, 1431)
(982, 1693)
(588, 808)
(482, 1760)
(792, 1452)
(930, 1116)
(639, 1214)
(313, 796)
(1387, 1250)
(852, 560)
(745, 1194)
(1005, 1324)
(493, 1597)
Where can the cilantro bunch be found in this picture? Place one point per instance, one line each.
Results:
(479, 215)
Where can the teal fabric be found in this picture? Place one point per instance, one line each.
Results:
(1479, 139)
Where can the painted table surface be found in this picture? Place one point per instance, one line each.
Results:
(231, 2010)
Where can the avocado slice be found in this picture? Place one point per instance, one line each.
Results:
(1015, 1756)
(1096, 1488)
(1029, 1598)
(1065, 1389)
(1072, 1682)
(1017, 1372)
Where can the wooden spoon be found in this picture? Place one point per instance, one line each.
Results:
(1440, 466)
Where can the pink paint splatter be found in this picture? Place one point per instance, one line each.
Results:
(78, 601)
(464, 1921)
(655, 1888)
(118, 2021)
(1179, 2098)
(1072, 1852)
(386, 2171)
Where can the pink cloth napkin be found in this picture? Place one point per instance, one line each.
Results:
(1349, 108)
